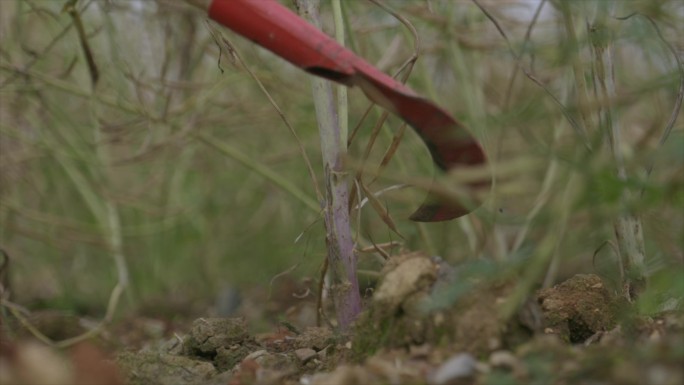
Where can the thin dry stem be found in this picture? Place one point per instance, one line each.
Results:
(628, 227)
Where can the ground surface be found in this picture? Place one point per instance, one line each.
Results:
(577, 332)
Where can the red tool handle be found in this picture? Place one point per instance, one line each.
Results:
(273, 26)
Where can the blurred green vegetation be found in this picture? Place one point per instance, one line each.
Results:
(92, 172)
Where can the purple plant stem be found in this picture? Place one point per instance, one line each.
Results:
(341, 257)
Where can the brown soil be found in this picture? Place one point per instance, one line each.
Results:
(575, 332)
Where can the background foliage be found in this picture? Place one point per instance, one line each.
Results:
(168, 166)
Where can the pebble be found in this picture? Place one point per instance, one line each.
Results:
(460, 366)
(305, 354)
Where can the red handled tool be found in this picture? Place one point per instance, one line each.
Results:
(273, 26)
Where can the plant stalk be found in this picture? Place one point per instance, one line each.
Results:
(341, 258)
(627, 227)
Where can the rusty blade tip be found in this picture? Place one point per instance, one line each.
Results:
(436, 212)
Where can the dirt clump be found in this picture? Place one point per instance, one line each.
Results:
(402, 312)
(578, 308)
(221, 350)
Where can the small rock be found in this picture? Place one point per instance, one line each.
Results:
(208, 334)
(305, 354)
(255, 354)
(503, 359)
(411, 275)
(459, 367)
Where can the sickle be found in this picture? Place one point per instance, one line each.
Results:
(279, 30)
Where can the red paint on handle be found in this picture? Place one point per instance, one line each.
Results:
(273, 26)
